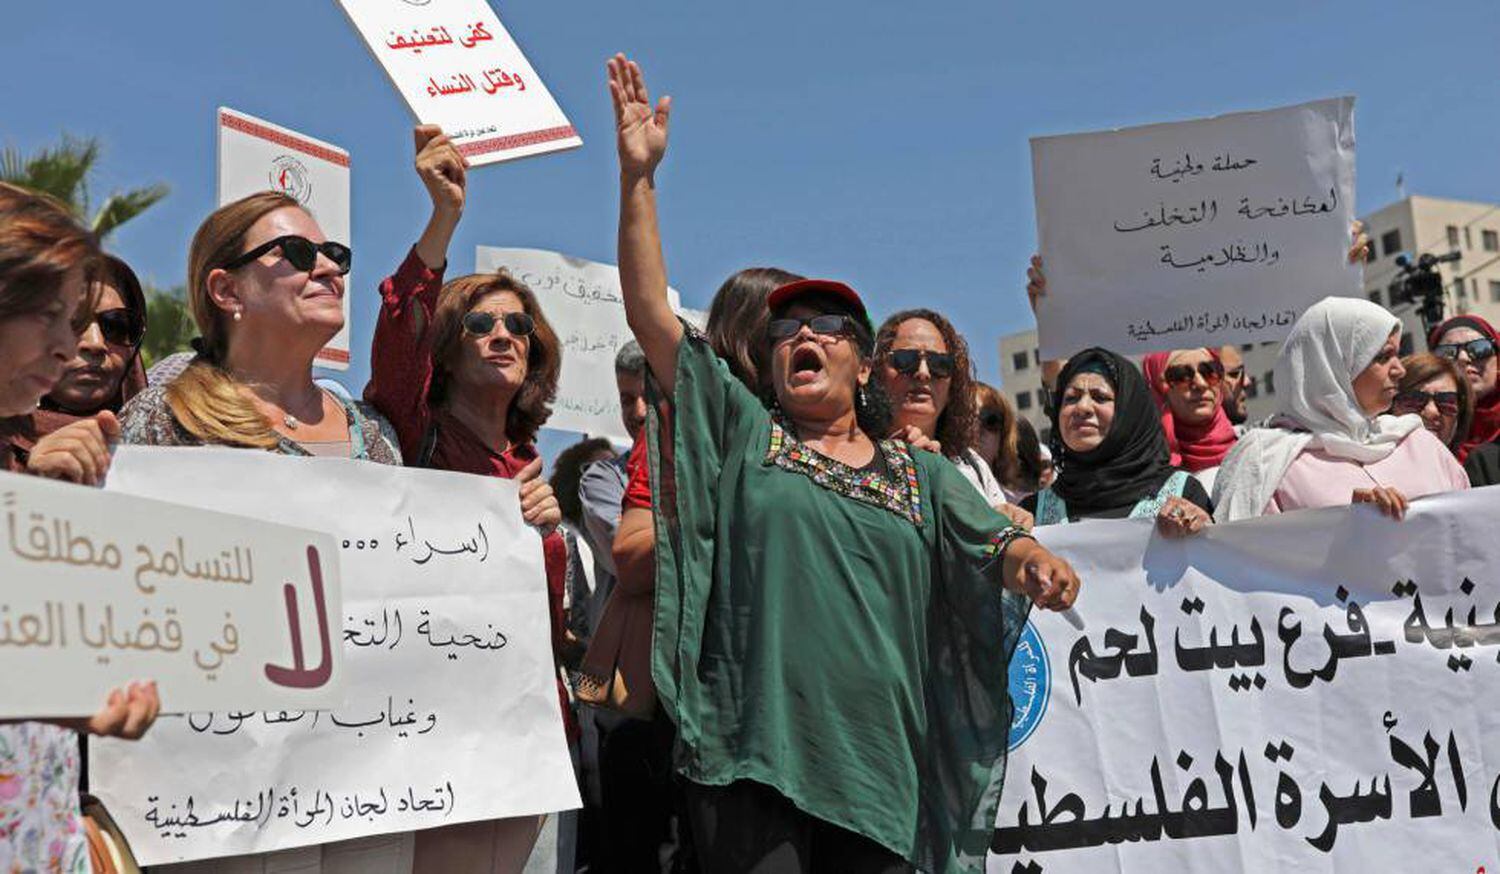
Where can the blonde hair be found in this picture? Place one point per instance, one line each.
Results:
(207, 400)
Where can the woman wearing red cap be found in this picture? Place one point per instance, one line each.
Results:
(1470, 342)
(835, 613)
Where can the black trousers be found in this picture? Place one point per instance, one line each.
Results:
(638, 817)
(750, 828)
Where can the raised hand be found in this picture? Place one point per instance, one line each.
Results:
(441, 168)
(1359, 250)
(641, 130)
(1036, 282)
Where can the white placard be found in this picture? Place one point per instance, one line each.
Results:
(451, 712)
(1305, 692)
(1199, 233)
(584, 305)
(256, 155)
(98, 590)
(457, 67)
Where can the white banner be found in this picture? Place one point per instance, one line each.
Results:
(256, 155)
(1306, 692)
(451, 712)
(457, 67)
(584, 305)
(98, 590)
(1198, 233)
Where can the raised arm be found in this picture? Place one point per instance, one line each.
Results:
(642, 141)
(444, 172)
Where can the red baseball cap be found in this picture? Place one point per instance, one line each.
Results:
(801, 288)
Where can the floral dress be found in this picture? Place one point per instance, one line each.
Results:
(41, 825)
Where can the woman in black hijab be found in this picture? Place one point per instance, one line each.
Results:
(1111, 454)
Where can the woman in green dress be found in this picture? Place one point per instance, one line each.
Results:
(834, 613)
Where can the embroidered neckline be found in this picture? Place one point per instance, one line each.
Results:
(900, 493)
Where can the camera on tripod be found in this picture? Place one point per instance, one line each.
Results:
(1422, 286)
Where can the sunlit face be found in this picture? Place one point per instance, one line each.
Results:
(1195, 401)
(36, 347)
(632, 401)
(93, 377)
(275, 299)
(493, 361)
(1435, 420)
(919, 397)
(1376, 386)
(1086, 411)
(1482, 375)
(816, 375)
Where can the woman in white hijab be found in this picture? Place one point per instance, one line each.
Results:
(1330, 443)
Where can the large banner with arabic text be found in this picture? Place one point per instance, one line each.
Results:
(1306, 692)
(450, 712)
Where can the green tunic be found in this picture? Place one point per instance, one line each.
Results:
(838, 635)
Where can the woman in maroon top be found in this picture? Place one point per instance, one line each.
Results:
(466, 373)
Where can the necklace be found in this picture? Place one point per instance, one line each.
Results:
(291, 422)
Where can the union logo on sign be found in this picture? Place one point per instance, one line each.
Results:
(1030, 685)
(289, 175)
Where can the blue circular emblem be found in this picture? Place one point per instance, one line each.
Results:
(1030, 685)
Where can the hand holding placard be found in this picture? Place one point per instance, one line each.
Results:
(445, 174)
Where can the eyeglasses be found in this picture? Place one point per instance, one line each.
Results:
(1182, 374)
(1477, 350)
(828, 325)
(991, 420)
(939, 364)
(1416, 401)
(300, 252)
(1235, 372)
(120, 327)
(480, 323)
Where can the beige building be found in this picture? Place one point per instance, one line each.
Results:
(1412, 226)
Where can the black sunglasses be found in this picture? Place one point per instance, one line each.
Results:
(828, 324)
(939, 364)
(480, 323)
(120, 327)
(300, 252)
(1416, 401)
(1477, 350)
(991, 420)
(1181, 374)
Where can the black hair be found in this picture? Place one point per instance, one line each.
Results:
(567, 474)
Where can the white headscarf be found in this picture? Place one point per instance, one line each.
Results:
(1329, 345)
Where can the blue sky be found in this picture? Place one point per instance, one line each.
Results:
(881, 143)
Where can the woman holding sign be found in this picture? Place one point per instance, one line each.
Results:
(834, 612)
(45, 259)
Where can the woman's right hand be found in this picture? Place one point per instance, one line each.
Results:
(641, 130)
(1036, 282)
(77, 452)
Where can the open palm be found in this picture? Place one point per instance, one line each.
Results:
(642, 130)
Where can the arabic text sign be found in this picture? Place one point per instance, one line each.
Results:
(256, 155)
(1198, 233)
(583, 303)
(98, 590)
(457, 67)
(1305, 692)
(451, 709)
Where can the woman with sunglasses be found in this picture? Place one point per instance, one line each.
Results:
(1188, 386)
(1331, 443)
(68, 437)
(923, 367)
(1113, 460)
(998, 442)
(834, 611)
(45, 258)
(466, 372)
(1436, 390)
(1470, 342)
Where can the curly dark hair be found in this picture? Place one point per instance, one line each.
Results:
(958, 421)
(532, 405)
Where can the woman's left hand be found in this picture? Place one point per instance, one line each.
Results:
(539, 507)
(1181, 518)
(1017, 516)
(1359, 250)
(918, 439)
(1034, 571)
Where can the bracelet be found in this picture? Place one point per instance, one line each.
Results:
(1003, 539)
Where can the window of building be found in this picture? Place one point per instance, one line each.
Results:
(1453, 236)
(1468, 240)
(1390, 242)
(1458, 288)
(1490, 240)
(1494, 291)
(1269, 381)
(1020, 360)
(1023, 400)
(1247, 347)
(1371, 254)
(1376, 296)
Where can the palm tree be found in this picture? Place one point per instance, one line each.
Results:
(63, 170)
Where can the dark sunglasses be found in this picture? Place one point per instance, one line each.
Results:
(480, 324)
(1416, 401)
(828, 324)
(991, 420)
(939, 364)
(1182, 374)
(120, 327)
(300, 252)
(1477, 350)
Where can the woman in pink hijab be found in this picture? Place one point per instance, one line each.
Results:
(1188, 387)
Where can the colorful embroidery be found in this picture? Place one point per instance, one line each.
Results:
(1002, 539)
(901, 493)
